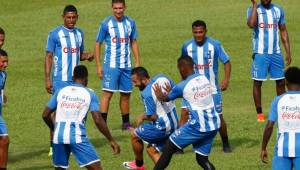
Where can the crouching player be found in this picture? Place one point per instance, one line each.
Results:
(162, 116)
(285, 110)
(4, 140)
(72, 104)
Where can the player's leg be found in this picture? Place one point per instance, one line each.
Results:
(204, 162)
(4, 143)
(277, 72)
(296, 163)
(223, 129)
(109, 86)
(184, 113)
(260, 68)
(153, 153)
(61, 154)
(280, 163)
(125, 91)
(86, 155)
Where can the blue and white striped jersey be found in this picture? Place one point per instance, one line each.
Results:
(266, 33)
(285, 110)
(117, 37)
(66, 46)
(3, 76)
(72, 104)
(206, 58)
(197, 92)
(166, 111)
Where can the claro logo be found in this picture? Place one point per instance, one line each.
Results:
(119, 40)
(71, 50)
(268, 26)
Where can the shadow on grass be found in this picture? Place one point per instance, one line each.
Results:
(37, 167)
(239, 142)
(26, 155)
(100, 142)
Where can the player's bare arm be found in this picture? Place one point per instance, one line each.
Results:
(159, 93)
(86, 56)
(252, 20)
(142, 117)
(227, 72)
(136, 53)
(47, 68)
(47, 118)
(102, 127)
(286, 43)
(266, 137)
(98, 60)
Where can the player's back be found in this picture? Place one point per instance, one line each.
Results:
(73, 103)
(66, 46)
(198, 95)
(166, 111)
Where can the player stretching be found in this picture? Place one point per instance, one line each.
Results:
(119, 34)
(267, 20)
(285, 110)
(72, 104)
(162, 116)
(65, 47)
(204, 122)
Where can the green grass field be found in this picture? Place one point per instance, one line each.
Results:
(163, 27)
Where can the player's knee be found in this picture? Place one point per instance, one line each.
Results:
(4, 140)
(257, 84)
(170, 147)
(204, 162)
(280, 83)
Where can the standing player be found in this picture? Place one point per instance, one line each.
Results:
(4, 140)
(205, 53)
(267, 20)
(2, 37)
(285, 110)
(162, 116)
(72, 104)
(119, 34)
(65, 47)
(204, 122)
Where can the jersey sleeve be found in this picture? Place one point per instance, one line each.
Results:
(282, 17)
(82, 44)
(94, 106)
(149, 105)
(183, 104)
(52, 104)
(51, 43)
(134, 33)
(101, 32)
(249, 12)
(184, 50)
(223, 56)
(176, 92)
(273, 114)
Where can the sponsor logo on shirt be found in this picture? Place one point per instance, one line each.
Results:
(268, 26)
(70, 102)
(55, 64)
(290, 113)
(204, 66)
(203, 92)
(120, 40)
(71, 50)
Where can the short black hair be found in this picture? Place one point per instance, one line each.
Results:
(70, 8)
(3, 53)
(199, 23)
(118, 1)
(80, 72)
(141, 72)
(292, 75)
(185, 59)
(2, 31)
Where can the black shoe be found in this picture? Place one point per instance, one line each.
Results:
(227, 149)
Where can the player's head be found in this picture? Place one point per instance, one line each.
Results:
(3, 60)
(292, 77)
(140, 77)
(80, 74)
(2, 37)
(185, 65)
(118, 8)
(70, 16)
(199, 31)
(265, 3)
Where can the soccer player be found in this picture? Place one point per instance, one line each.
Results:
(2, 37)
(267, 20)
(4, 140)
(64, 49)
(285, 110)
(162, 116)
(204, 122)
(72, 104)
(205, 53)
(119, 34)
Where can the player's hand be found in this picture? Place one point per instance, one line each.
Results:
(100, 72)
(167, 87)
(158, 91)
(115, 147)
(288, 60)
(90, 57)
(224, 85)
(264, 156)
(253, 2)
(48, 86)
(139, 120)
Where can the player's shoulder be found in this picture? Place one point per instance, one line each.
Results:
(78, 29)
(129, 19)
(277, 6)
(213, 41)
(56, 30)
(188, 42)
(106, 20)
